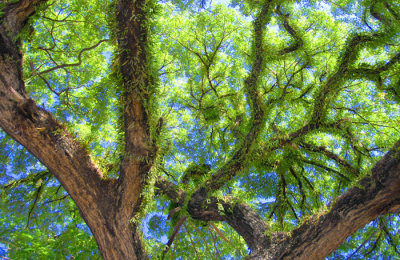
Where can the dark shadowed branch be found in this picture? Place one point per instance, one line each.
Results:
(370, 198)
(78, 63)
(235, 165)
(298, 42)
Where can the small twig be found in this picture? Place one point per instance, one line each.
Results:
(219, 233)
(192, 242)
(215, 243)
(362, 244)
(37, 195)
(51, 201)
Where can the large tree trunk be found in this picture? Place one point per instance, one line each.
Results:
(120, 241)
(107, 206)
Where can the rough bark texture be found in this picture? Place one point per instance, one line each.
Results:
(321, 234)
(241, 217)
(107, 215)
(107, 206)
(135, 166)
(358, 206)
(134, 70)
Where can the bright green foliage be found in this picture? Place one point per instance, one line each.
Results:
(332, 85)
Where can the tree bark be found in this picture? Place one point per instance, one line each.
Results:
(372, 197)
(317, 237)
(107, 206)
(134, 70)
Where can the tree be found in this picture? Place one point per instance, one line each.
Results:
(266, 128)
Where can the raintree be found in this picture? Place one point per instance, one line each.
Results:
(261, 129)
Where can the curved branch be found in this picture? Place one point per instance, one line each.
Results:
(331, 155)
(285, 139)
(235, 165)
(298, 42)
(370, 198)
(239, 216)
(333, 83)
(62, 66)
(374, 73)
(49, 141)
(328, 169)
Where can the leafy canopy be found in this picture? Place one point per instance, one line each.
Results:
(329, 91)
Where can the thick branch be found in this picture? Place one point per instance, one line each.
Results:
(323, 233)
(48, 140)
(12, 21)
(171, 190)
(235, 165)
(348, 56)
(298, 42)
(36, 129)
(239, 216)
(17, 13)
(371, 198)
(136, 84)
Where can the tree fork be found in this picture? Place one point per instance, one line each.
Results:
(49, 141)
